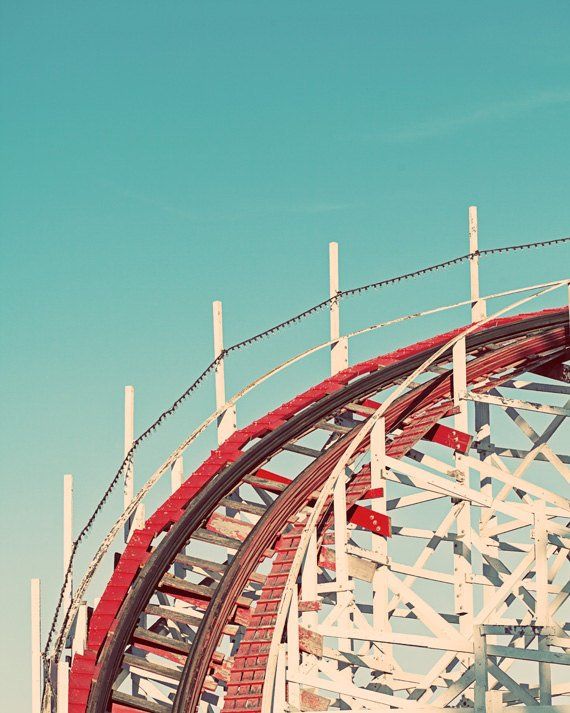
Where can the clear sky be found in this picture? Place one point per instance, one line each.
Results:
(157, 156)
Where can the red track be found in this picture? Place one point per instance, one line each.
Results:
(415, 413)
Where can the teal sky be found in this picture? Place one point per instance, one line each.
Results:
(157, 156)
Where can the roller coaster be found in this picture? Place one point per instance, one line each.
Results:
(395, 537)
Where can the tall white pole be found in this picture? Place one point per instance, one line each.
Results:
(129, 437)
(463, 587)
(339, 346)
(478, 307)
(380, 600)
(177, 474)
(226, 420)
(62, 686)
(67, 536)
(35, 610)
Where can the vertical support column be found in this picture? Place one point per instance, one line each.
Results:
(480, 665)
(462, 546)
(62, 686)
(177, 474)
(129, 437)
(544, 674)
(309, 575)
(227, 419)
(280, 690)
(541, 560)
(67, 536)
(36, 636)
(494, 701)
(343, 595)
(568, 291)
(339, 346)
(176, 477)
(79, 641)
(380, 620)
(478, 307)
(293, 651)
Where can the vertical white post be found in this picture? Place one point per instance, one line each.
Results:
(227, 419)
(80, 633)
(494, 701)
(541, 562)
(544, 674)
(462, 545)
(480, 665)
(380, 620)
(35, 610)
(293, 650)
(177, 474)
(280, 690)
(129, 437)
(344, 595)
(67, 536)
(339, 346)
(309, 576)
(478, 308)
(62, 686)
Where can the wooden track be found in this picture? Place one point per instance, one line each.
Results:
(195, 580)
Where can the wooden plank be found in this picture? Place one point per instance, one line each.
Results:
(213, 538)
(229, 527)
(243, 506)
(310, 642)
(160, 641)
(140, 704)
(151, 667)
(170, 582)
(175, 615)
(191, 562)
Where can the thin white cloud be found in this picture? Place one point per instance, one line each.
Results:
(499, 111)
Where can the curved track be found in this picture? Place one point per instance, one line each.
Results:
(188, 614)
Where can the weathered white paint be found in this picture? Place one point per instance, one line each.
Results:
(36, 651)
(227, 418)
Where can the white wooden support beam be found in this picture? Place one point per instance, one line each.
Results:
(227, 419)
(344, 595)
(67, 537)
(129, 437)
(177, 474)
(505, 402)
(380, 619)
(480, 665)
(309, 575)
(544, 674)
(339, 346)
(293, 652)
(62, 701)
(478, 307)
(36, 667)
(463, 587)
(541, 556)
(280, 690)
(79, 641)
(493, 701)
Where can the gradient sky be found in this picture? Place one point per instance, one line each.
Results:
(157, 156)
